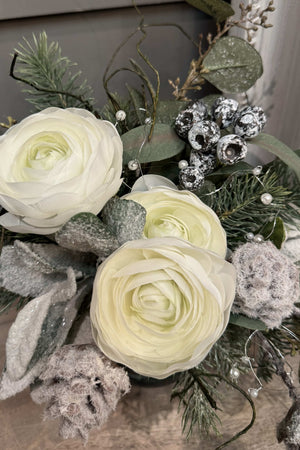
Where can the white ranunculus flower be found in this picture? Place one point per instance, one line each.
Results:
(159, 305)
(181, 214)
(55, 164)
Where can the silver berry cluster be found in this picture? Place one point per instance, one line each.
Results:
(210, 146)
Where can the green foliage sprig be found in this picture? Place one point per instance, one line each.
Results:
(49, 76)
(234, 72)
(238, 205)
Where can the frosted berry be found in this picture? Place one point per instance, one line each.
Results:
(201, 108)
(185, 120)
(250, 121)
(191, 178)
(224, 111)
(205, 162)
(231, 149)
(204, 135)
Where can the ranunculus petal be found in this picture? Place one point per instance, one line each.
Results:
(56, 163)
(159, 305)
(181, 214)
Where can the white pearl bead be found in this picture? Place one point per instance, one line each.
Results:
(266, 198)
(253, 392)
(257, 170)
(250, 236)
(258, 238)
(234, 373)
(120, 115)
(133, 164)
(183, 164)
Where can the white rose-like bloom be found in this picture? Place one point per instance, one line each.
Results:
(181, 214)
(158, 305)
(55, 164)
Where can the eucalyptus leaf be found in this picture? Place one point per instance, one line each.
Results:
(209, 100)
(168, 110)
(164, 144)
(232, 65)
(247, 322)
(218, 9)
(278, 148)
(275, 232)
(125, 218)
(85, 232)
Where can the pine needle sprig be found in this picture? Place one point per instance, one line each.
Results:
(240, 209)
(228, 351)
(49, 76)
(195, 396)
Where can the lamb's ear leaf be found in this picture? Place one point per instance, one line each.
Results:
(39, 329)
(125, 218)
(49, 263)
(85, 232)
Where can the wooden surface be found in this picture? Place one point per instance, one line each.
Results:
(145, 419)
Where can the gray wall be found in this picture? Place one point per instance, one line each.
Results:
(88, 32)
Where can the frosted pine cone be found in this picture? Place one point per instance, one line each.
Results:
(82, 387)
(267, 283)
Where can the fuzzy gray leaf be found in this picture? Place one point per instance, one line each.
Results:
(48, 262)
(39, 329)
(86, 233)
(126, 218)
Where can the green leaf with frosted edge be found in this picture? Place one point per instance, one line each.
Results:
(125, 218)
(275, 232)
(85, 232)
(218, 9)
(247, 322)
(168, 110)
(278, 148)
(232, 65)
(164, 144)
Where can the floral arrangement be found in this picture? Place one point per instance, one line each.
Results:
(137, 243)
